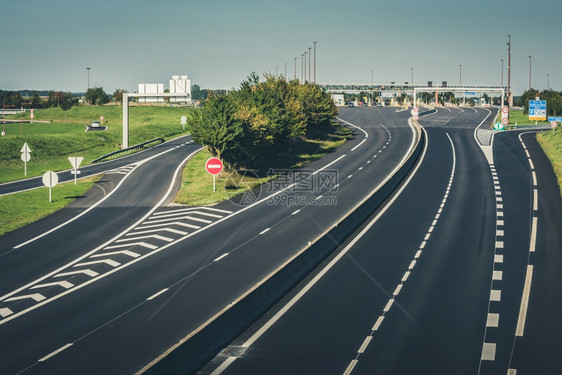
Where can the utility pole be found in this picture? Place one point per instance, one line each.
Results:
(547, 81)
(412, 82)
(88, 77)
(509, 71)
(372, 77)
(314, 61)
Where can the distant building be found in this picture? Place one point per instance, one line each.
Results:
(151, 88)
(180, 85)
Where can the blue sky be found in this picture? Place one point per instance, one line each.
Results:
(49, 44)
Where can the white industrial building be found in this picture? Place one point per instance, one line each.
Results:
(178, 85)
(151, 88)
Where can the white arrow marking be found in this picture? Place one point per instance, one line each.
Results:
(5, 312)
(124, 252)
(106, 261)
(25, 148)
(36, 297)
(64, 284)
(167, 239)
(87, 272)
(143, 244)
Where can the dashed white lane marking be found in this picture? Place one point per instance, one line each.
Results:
(265, 230)
(488, 351)
(524, 302)
(493, 320)
(157, 294)
(221, 257)
(55, 352)
(495, 295)
(512, 371)
(412, 264)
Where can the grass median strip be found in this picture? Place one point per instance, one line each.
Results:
(20, 209)
(197, 184)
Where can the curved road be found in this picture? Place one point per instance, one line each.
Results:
(117, 287)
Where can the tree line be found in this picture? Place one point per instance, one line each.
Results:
(261, 119)
(553, 100)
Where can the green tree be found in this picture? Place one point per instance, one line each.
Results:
(96, 96)
(118, 95)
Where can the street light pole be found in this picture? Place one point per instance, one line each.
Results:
(502, 75)
(295, 68)
(529, 72)
(88, 77)
(547, 81)
(304, 80)
(302, 62)
(372, 78)
(509, 71)
(314, 61)
(309, 67)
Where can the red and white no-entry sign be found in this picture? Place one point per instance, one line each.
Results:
(214, 166)
(505, 109)
(505, 121)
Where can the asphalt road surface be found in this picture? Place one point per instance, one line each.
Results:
(119, 285)
(458, 275)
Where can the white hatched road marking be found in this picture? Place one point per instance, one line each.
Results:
(132, 254)
(36, 297)
(64, 284)
(106, 261)
(72, 273)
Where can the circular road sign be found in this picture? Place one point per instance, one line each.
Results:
(25, 156)
(50, 179)
(554, 124)
(213, 166)
(183, 120)
(505, 121)
(31, 115)
(505, 109)
(101, 118)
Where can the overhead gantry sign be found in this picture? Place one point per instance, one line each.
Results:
(126, 96)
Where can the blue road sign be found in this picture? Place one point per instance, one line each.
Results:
(537, 110)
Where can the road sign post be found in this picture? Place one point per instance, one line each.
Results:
(537, 110)
(75, 162)
(214, 166)
(553, 124)
(50, 179)
(25, 156)
(31, 115)
(183, 121)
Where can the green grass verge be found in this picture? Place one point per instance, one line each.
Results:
(521, 118)
(17, 210)
(551, 143)
(197, 185)
(53, 142)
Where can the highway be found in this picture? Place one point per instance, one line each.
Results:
(459, 274)
(120, 285)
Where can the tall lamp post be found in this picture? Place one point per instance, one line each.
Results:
(88, 77)
(309, 66)
(302, 64)
(547, 81)
(509, 71)
(502, 75)
(372, 77)
(295, 68)
(304, 80)
(529, 72)
(314, 61)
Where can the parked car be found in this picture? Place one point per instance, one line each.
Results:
(350, 104)
(95, 124)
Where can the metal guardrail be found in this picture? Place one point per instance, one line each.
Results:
(128, 149)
